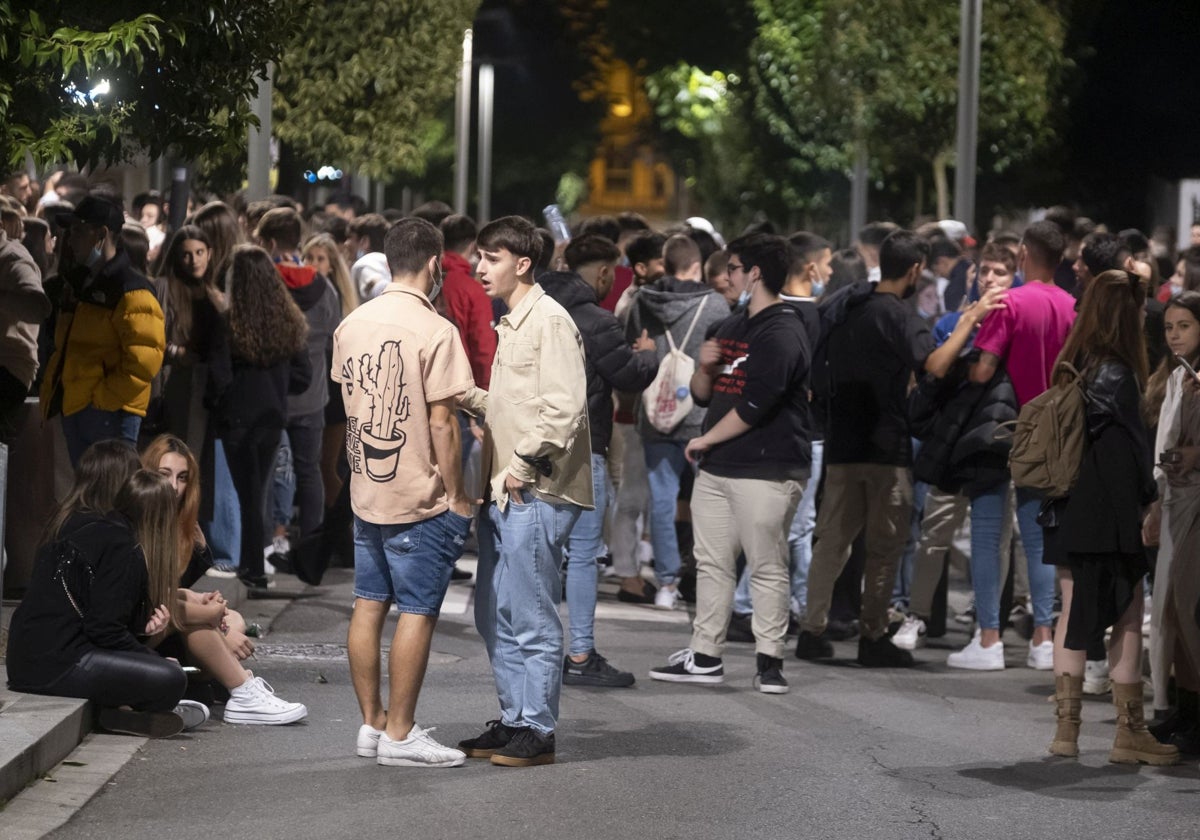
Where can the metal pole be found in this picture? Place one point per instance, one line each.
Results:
(970, 34)
(462, 128)
(258, 163)
(487, 84)
(858, 190)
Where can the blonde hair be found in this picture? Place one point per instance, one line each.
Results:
(189, 503)
(149, 502)
(347, 292)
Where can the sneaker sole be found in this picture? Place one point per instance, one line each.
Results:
(509, 761)
(253, 719)
(1135, 757)
(909, 646)
(1029, 663)
(409, 762)
(974, 667)
(1095, 688)
(772, 689)
(593, 683)
(144, 724)
(478, 753)
(700, 679)
(364, 752)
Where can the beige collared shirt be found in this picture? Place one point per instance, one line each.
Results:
(537, 405)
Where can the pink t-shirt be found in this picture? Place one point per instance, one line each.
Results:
(1028, 335)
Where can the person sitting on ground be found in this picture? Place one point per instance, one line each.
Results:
(100, 595)
(210, 633)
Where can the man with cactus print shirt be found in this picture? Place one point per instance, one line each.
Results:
(402, 368)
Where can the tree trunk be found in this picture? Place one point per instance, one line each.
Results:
(919, 200)
(940, 161)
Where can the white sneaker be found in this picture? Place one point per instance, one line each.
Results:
(367, 745)
(976, 657)
(268, 567)
(417, 750)
(1095, 677)
(279, 545)
(911, 634)
(254, 702)
(1041, 657)
(645, 552)
(193, 713)
(667, 598)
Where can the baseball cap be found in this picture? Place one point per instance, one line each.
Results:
(92, 210)
(957, 231)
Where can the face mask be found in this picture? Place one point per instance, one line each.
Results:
(818, 288)
(95, 256)
(359, 254)
(744, 298)
(874, 275)
(923, 315)
(438, 280)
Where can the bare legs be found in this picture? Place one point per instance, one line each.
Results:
(407, 661)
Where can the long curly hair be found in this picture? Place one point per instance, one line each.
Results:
(340, 274)
(189, 503)
(265, 324)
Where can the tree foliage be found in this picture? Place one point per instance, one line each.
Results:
(362, 81)
(180, 75)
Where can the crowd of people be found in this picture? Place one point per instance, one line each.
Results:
(787, 436)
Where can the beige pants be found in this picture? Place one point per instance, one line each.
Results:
(944, 515)
(876, 498)
(731, 516)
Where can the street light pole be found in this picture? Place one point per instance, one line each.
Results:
(462, 128)
(258, 162)
(487, 86)
(970, 35)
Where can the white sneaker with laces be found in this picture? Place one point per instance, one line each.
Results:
(911, 634)
(1095, 677)
(1041, 657)
(254, 702)
(193, 713)
(976, 657)
(667, 598)
(367, 745)
(417, 750)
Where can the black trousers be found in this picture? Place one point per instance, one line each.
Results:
(112, 678)
(304, 435)
(251, 457)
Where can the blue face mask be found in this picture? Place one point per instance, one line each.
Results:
(744, 298)
(818, 288)
(94, 257)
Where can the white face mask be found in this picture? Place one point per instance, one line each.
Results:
(439, 277)
(95, 255)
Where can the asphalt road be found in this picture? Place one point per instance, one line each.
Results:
(849, 753)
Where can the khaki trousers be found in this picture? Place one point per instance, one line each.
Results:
(876, 498)
(944, 515)
(731, 516)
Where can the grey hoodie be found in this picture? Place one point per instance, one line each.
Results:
(23, 308)
(670, 304)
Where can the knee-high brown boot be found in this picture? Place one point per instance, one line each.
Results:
(1068, 698)
(1134, 743)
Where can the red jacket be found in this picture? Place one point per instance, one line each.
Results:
(471, 309)
(622, 280)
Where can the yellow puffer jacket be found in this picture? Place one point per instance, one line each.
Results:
(112, 332)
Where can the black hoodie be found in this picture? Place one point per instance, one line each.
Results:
(609, 361)
(765, 362)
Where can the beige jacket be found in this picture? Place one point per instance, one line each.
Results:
(537, 405)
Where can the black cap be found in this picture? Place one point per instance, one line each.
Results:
(93, 210)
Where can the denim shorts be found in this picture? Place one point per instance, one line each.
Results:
(409, 564)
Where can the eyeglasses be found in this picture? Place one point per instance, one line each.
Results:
(736, 267)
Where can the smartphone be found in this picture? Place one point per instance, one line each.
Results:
(1187, 366)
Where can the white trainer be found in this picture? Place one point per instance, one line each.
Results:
(1095, 677)
(417, 750)
(911, 634)
(1041, 657)
(254, 702)
(645, 553)
(667, 598)
(193, 713)
(367, 745)
(976, 657)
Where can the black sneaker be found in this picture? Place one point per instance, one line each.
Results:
(254, 583)
(841, 631)
(769, 679)
(682, 667)
(739, 628)
(649, 590)
(145, 724)
(811, 646)
(496, 736)
(881, 653)
(526, 748)
(458, 574)
(595, 671)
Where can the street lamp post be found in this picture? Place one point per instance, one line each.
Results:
(970, 34)
(462, 128)
(258, 162)
(487, 86)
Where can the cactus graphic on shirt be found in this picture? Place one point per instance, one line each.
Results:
(381, 378)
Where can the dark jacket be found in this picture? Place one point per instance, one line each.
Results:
(244, 395)
(609, 361)
(316, 297)
(670, 304)
(96, 559)
(957, 422)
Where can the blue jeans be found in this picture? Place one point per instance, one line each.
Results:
(283, 485)
(665, 463)
(517, 592)
(987, 519)
(408, 564)
(584, 546)
(224, 533)
(83, 428)
(799, 543)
